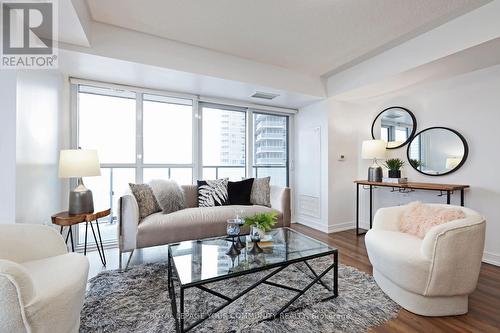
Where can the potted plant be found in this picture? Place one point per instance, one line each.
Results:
(394, 165)
(261, 223)
(416, 163)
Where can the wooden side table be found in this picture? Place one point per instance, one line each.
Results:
(64, 219)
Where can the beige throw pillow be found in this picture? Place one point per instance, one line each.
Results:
(168, 194)
(261, 192)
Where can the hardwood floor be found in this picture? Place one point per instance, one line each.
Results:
(484, 303)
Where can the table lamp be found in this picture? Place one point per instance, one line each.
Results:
(373, 150)
(452, 162)
(78, 163)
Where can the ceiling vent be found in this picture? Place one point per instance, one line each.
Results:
(263, 95)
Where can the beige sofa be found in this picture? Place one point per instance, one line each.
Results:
(432, 276)
(190, 223)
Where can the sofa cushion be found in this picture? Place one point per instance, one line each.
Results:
(261, 192)
(169, 195)
(145, 200)
(193, 223)
(212, 192)
(418, 218)
(239, 192)
(398, 256)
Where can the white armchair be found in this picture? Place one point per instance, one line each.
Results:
(432, 276)
(42, 286)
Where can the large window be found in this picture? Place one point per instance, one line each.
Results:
(142, 136)
(138, 137)
(270, 145)
(224, 142)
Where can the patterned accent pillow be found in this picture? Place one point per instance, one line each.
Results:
(261, 192)
(145, 200)
(212, 193)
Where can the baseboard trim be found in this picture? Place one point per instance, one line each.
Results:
(341, 227)
(312, 224)
(491, 258)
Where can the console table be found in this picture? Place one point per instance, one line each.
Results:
(447, 189)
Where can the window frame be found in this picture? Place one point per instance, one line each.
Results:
(197, 103)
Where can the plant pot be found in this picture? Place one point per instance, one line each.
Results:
(394, 173)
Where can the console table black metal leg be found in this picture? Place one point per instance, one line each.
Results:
(336, 274)
(448, 197)
(462, 197)
(357, 209)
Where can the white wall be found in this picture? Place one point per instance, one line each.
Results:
(468, 103)
(308, 119)
(42, 116)
(7, 145)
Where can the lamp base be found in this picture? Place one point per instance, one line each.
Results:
(375, 174)
(81, 200)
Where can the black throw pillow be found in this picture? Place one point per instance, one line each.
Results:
(239, 192)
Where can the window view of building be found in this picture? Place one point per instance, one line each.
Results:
(224, 143)
(270, 147)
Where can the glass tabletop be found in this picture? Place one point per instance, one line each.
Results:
(206, 260)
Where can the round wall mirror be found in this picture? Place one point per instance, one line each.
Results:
(395, 125)
(437, 151)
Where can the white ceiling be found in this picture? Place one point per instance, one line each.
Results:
(315, 37)
(98, 68)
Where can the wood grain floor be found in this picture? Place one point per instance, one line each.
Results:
(484, 303)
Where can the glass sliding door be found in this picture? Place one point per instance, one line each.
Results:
(167, 139)
(270, 145)
(223, 142)
(107, 123)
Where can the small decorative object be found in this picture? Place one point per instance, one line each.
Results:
(394, 165)
(373, 150)
(260, 224)
(78, 163)
(403, 180)
(233, 231)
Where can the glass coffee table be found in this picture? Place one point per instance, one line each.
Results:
(196, 263)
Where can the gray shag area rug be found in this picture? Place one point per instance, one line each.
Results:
(137, 301)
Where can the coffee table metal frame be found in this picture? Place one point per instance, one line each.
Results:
(179, 317)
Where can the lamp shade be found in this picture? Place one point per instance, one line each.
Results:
(373, 149)
(78, 163)
(453, 162)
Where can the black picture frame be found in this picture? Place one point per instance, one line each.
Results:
(413, 131)
(460, 136)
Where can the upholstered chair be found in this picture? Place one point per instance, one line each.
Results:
(432, 276)
(42, 286)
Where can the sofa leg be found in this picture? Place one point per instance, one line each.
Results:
(130, 257)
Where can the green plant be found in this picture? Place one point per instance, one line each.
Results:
(416, 163)
(394, 164)
(263, 221)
